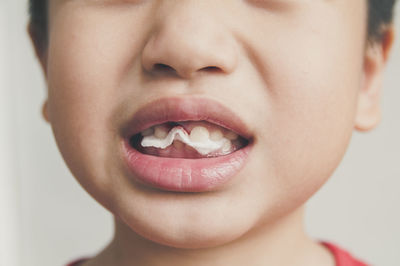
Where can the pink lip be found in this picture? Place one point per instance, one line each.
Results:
(184, 109)
(181, 174)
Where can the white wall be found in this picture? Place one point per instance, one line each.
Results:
(9, 181)
(47, 219)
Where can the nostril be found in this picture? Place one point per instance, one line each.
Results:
(211, 69)
(162, 67)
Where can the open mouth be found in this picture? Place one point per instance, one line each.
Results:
(185, 144)
(187, 139)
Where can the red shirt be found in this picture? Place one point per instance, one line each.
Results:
(342, 257)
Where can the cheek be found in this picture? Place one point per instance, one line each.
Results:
(312, 108)
(87, 57)
(311, 78)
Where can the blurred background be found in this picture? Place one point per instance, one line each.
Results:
(47, 219)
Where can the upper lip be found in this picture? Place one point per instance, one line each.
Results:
(185, 109)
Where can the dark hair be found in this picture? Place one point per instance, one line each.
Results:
(380, 13)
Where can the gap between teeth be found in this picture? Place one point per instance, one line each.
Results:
(199, 139)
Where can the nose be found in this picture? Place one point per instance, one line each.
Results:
(187, 40)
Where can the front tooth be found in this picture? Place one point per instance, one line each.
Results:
(231, 135)
(160, 132)
(147, 132)
(216, 135)
(199, 134)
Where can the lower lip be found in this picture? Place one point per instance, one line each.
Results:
(185, 175)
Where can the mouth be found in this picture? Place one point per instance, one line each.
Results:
(187, 139)
(185, 145)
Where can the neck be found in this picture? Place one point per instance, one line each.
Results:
(280, 243)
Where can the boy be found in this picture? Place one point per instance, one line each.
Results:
(204, 126)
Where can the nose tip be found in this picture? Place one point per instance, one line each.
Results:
(199, 45)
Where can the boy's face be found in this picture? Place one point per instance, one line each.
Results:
(292, 70)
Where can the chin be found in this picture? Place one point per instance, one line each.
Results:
(195, 239)
(179, 230)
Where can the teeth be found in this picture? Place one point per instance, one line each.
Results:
(199, 139)
(160, 132)
(147, 132)
(199, 134)
(231, 135)
(227, 147)
(216, 135)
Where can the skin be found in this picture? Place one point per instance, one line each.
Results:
(298, 72)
